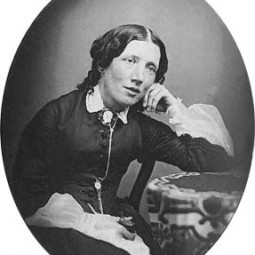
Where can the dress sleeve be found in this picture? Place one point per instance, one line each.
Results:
(181, 150)
(200, 120)
(36, 153)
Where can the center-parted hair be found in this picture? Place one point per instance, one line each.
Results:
(113, 43)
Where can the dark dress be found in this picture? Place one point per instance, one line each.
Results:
(64, 148)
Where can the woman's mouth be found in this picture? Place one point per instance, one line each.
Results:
(132, 90)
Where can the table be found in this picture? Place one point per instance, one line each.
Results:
(189, 211)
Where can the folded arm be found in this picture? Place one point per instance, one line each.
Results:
(184, 151)
(196, 138)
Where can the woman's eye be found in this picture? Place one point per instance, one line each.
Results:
(151, 69)
(130, 60)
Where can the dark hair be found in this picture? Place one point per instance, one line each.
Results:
(112, 44)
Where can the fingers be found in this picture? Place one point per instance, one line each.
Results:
(146, 97)
(154, 99)
(126, 234)
(115, 226)
(128, 218)
(153, 96)
(111, 222)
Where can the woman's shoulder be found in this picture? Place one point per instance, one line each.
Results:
(60, 108)
(67, 99)
(63, 103)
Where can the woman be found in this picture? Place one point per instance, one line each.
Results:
(77, 148)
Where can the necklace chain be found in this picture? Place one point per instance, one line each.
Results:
(99, 180)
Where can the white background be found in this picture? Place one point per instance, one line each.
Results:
(16, 17)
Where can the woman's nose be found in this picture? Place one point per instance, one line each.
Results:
(138, 74)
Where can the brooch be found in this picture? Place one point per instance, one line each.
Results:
(106, 117)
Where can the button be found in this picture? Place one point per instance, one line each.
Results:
(91, 193)
(104, 134)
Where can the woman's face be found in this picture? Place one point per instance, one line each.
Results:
(130, 75)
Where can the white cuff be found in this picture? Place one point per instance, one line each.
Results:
(176, 108)
(200, 120)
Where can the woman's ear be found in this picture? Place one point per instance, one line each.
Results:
(161, 81)
(100, 69)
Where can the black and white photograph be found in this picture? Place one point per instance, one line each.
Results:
(127, 127)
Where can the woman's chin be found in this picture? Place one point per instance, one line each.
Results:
(126, 102)
(130, 101)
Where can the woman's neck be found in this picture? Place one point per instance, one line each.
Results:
(108, 103)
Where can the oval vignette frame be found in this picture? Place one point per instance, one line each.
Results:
(92, 38)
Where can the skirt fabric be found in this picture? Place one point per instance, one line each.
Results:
(63, 239)
(58, 241)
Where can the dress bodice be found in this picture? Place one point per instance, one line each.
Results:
(64, 148)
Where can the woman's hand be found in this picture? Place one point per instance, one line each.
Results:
(158, 99)
(107, 222)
